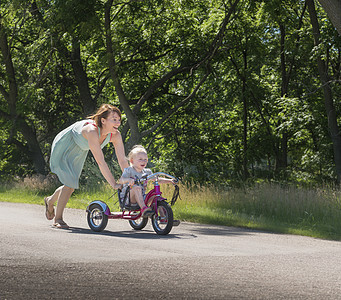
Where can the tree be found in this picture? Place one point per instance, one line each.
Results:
(217, 90)
(10, 109)
(184, 68)
(333, 9)
(328, 95)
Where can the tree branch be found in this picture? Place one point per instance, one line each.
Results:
(208, 57)
(158, 84)
(125, 62)
(176, 108)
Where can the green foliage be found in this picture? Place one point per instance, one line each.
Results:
(258, 115)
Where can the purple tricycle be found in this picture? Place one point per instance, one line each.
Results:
(98, 212)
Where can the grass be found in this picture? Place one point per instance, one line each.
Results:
(271, 207)
(314, 212)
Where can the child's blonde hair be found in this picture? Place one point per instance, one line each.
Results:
(135, 150)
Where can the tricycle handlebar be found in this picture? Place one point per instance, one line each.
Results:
(157, 174)
(153, 176)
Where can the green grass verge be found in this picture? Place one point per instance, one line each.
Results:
(225, 217)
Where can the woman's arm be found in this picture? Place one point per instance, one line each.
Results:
(92, 136)
(116, 140)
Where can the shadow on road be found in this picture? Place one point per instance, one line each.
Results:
(145, 234)
(227, 231)
(198, 229)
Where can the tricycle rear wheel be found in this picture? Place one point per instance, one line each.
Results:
(97, 220)
(138, 224)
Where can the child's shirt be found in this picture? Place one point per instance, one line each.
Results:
(130, 172)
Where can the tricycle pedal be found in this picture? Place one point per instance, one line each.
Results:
(176, 222)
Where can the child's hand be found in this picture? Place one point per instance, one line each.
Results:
(131, 181)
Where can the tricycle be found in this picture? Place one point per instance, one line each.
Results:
(98, 212)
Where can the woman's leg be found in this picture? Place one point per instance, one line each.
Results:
(49, 201)
(54, 197)
(64, 195)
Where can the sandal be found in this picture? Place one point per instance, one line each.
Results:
(49, 214)
(61, 224)
(147, 212)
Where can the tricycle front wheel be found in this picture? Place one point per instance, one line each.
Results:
(163, 221)
(97, 220)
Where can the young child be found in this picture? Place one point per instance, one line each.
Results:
(138, 160)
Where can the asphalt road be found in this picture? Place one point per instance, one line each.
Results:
(194, 261)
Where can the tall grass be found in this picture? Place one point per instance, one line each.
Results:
(272, 207)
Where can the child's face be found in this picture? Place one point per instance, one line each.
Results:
(139, 161)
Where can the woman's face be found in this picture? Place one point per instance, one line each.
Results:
(112, 122)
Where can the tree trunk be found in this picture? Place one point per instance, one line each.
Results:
(333, 10)
(12, 94)
(34, 151)
(245, 120)
(131, 117)
(88, 103)
(282, 159)
(328, 97)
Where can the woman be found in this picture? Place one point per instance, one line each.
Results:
(69, 150)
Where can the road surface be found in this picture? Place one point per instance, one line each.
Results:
(194, 261)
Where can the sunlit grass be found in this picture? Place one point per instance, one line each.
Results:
(272, 207)
(20, 196)
(289, 209)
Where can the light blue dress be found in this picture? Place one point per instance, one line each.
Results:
(69, 151)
